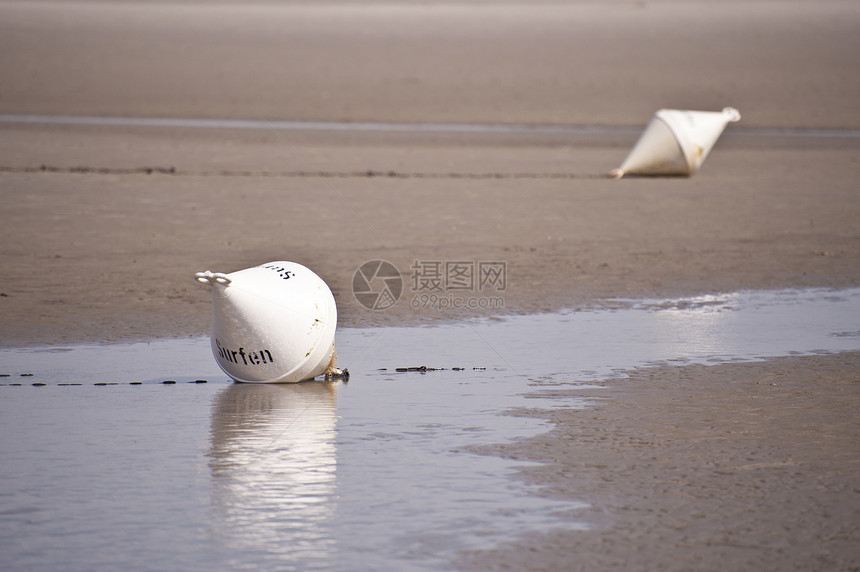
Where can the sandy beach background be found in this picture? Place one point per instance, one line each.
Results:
(103, 226)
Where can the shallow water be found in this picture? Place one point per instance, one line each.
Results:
(358, 126)
(326, 475)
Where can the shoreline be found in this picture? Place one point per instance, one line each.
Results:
(103, 337)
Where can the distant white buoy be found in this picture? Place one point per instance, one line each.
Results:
(676, 142)
(273, 323)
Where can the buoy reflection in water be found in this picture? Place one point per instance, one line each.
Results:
(272, 464)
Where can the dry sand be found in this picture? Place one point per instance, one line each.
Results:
(103, 227)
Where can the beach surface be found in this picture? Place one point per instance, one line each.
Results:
(748, 466)
(104, 224)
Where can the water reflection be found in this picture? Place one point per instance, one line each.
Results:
(696, 326)
(272, 462)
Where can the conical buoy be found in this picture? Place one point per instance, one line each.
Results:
(676, 142)
(273, 323)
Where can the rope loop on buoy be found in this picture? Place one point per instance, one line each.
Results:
(731, 114)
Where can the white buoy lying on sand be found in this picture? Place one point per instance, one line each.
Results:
(273, 323)
(676, 142)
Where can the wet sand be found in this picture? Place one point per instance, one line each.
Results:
(103, 227)
(93, 256)
(749, 466)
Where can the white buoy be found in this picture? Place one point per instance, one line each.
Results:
(273, 323)
(676, 142)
